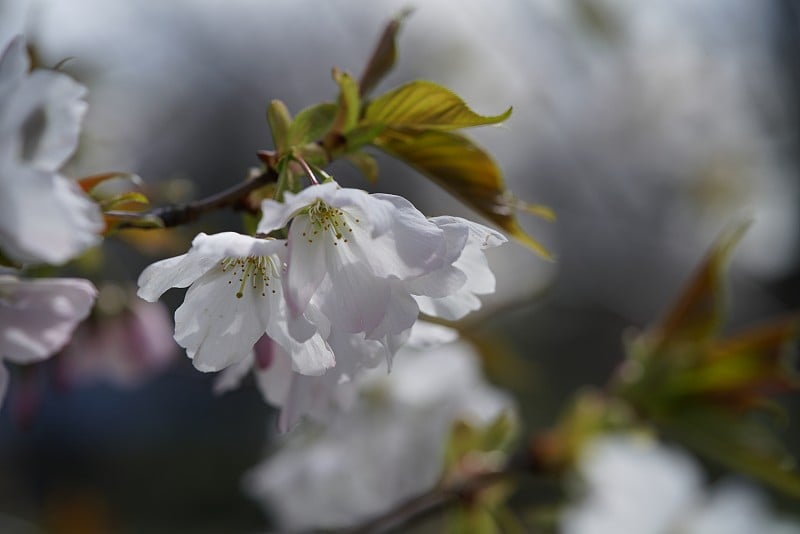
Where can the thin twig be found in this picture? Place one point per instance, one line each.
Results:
(178, 214)
(432, 501)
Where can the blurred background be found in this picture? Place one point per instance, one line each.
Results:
(646, 126)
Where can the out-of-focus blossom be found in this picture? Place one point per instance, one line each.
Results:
(37, 317)
(637, 485)
(235, 296)
(320, 397)
(124, 349)
(44, 217)
(387, 448)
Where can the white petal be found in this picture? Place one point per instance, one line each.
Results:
(47, 113)
(14, 65)
(206, 253)
(312, 357)
(306, 265)
(357, 300)
(401, 313)
(451, 308)
(37, 317)
(425, 335)
(377, 213)
(276, 215)
(231, 377)
(44, 217)
(217, 328)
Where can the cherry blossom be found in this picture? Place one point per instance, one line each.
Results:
(44, 217)
(634, 484)
(387, 448)
(368, 259)
(235, 296)
(37, 317)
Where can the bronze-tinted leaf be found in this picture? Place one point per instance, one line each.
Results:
(384, 56)
(742, 445)
(423, 104)
(697, 313)
(463, 169)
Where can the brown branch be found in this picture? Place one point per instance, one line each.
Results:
(178, 214)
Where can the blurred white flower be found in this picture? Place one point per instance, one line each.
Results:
(44, 217)
(320, 397)
(636, 485)
(387, 448)
(37, 317)
(235, 296)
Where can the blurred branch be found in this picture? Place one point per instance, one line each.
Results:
(441, 497)
(179, 214)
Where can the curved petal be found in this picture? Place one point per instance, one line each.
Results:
(231, 377)
(401, 313)
(44, 217)
(276, 215)
(47, 114)
(206, 253)
(306, 265)
(216, 327)
(37, 317)
(451, 308)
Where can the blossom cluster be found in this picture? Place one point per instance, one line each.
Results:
(634, 484)
(339, 294)
(44, 216)
(387, 448)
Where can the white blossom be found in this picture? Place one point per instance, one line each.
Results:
(37, 317)
(44, 217)
(387, 448)
(637, 485)
(235, 296)
(366, 259)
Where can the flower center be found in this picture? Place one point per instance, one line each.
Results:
(325, 218)
(254, 270)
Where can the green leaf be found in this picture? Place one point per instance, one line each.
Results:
(311, 124)
(280, 121)
(423, 104)
(362, 135)
(698, 311)
(130, 200)
(349, 103)
(365, 163)
(740, 444)
(384, 56)
(463, 169)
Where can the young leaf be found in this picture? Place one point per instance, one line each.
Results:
(279, 120)
(311, 124)
(463, 169)
(384, 56)
(422, 104)
(697, 313)
(349, 103)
